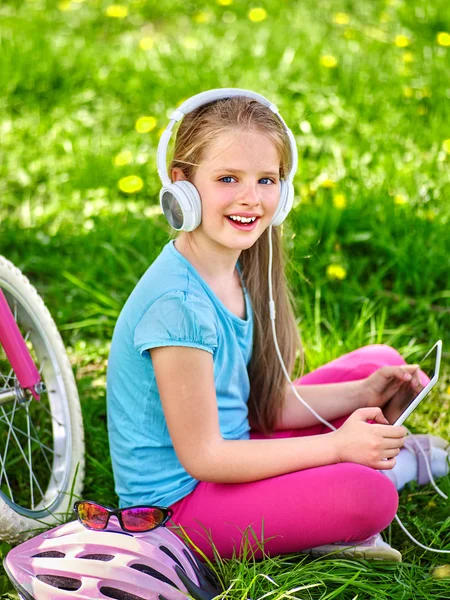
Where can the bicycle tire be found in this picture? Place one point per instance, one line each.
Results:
(61, 407)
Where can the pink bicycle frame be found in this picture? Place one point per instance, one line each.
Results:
(16, 350)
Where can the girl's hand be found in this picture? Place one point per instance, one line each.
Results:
(383, 384)
(369, 443)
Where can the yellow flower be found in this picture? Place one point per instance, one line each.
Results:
(401, 41)
(341, 18)
(224, 2)
(408, 57)
(146, 43)
(443, 38)
(257, 14)
(123, 158)
(408, 92)
(340, 201)
(429, 215)
(145, 124)
(203, 17)
(447, 391)
(131, 184)
(328, 61)
(441, 572)
(327, 183)
(446, 146)
(400, 199)
(336, 272)
(117, 11)
(64, 5)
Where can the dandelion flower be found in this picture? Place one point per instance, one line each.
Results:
(123, 158)
(203, 17)
(131, 184)
(339, 201)
(408, 92)
(65, 5)
(443, 38)
(146, 43)
(328, 61)
(341, 18)
(400, 199)
(429, 215)
(447, 391)
(117, 11)
(401, 41)
(224, 2)
(145, 124)
(257, 14)
(408, 57)
(326, 183)
(336, 272)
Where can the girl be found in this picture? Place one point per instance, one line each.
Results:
(200, 415)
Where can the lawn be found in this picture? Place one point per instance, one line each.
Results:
(86, 88)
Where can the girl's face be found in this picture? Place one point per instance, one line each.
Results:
(239, 175)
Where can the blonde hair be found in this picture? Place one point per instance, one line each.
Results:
(197, 131)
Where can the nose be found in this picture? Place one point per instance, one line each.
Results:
(251, 195)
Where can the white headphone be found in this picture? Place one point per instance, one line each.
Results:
(180, 201)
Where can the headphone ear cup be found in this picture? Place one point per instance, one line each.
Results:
(285, 203)
(181, 204)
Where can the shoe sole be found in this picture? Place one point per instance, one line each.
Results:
(368, 553)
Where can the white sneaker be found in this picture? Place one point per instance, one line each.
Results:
(374, 548)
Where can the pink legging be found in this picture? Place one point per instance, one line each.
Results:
(339, 502)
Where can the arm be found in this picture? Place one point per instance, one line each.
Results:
(185, 378)
(329, 400)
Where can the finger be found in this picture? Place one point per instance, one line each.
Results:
(390, 453)
(385, 465)
(371, 413)
(407, 372)
(391, 431)
(394, 443)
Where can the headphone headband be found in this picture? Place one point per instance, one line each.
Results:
(204, 98)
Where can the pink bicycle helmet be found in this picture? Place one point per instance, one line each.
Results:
(73, 562)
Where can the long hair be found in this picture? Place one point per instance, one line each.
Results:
(197, 131)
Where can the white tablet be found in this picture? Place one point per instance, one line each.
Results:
(407, 398)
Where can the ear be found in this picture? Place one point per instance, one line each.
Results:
(178, 175)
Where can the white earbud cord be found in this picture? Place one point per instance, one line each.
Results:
(319, 418)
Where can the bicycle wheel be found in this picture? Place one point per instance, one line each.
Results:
(41, 442)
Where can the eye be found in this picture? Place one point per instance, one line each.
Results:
(268, 179)
(226, 177)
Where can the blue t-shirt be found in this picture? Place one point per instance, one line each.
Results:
(170, 306)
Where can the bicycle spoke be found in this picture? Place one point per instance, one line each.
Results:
(41, 446)
(30, 457)
(3, 459)
(2, 420)
(53, 418)
(24, 456)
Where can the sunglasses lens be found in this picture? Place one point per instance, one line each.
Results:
(92, 515)
(142, 519)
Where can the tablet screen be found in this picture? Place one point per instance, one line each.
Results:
(406, 394)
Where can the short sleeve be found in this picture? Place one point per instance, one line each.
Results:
(177, 318)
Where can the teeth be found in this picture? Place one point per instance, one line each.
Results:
(242, 219)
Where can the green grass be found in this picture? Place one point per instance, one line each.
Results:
(73, 84)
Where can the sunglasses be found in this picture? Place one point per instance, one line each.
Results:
(133, 519)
